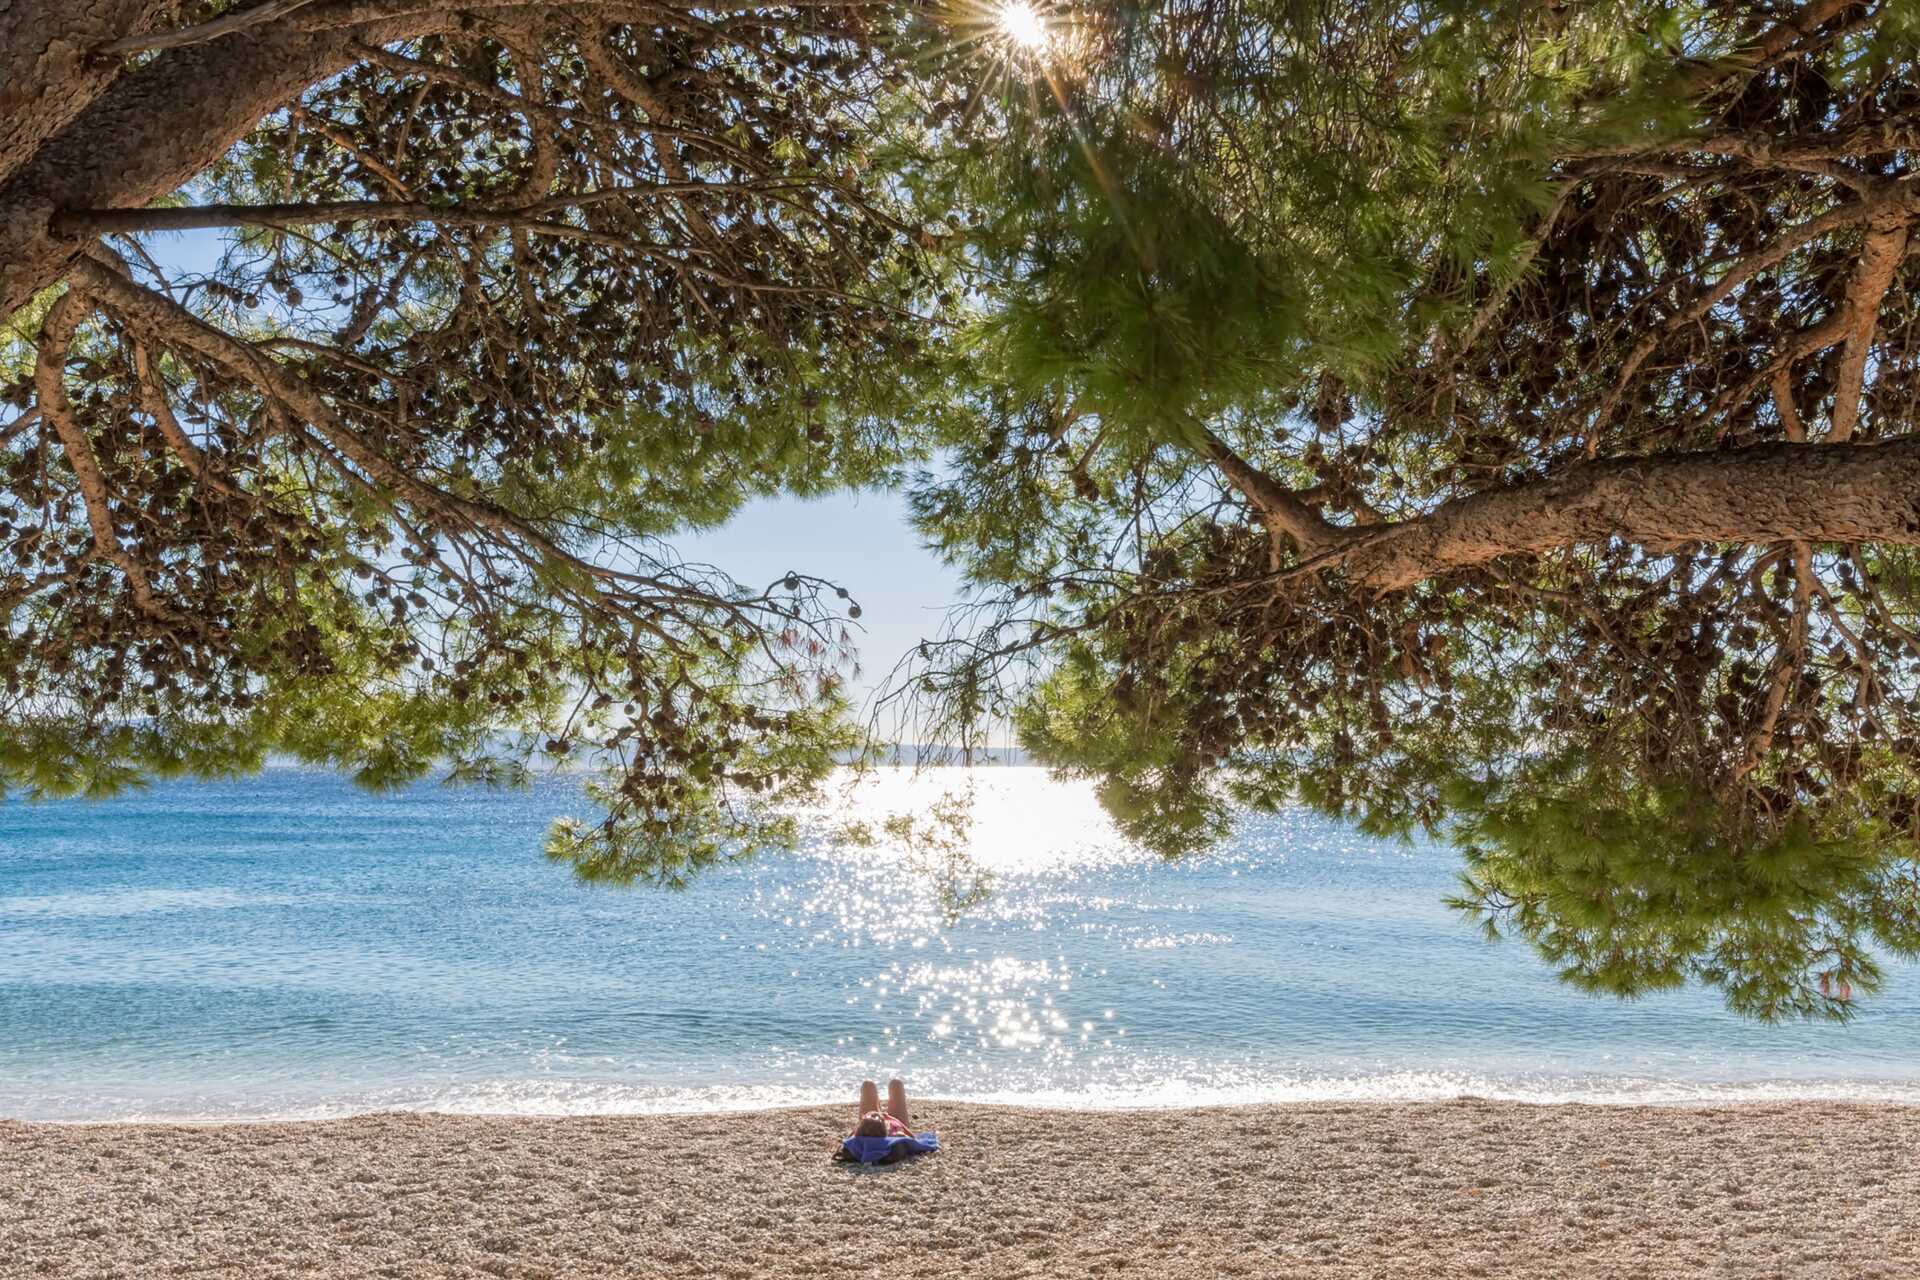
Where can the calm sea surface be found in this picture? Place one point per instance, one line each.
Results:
(289, 946)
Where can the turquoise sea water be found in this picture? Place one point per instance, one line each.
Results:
(288, 946)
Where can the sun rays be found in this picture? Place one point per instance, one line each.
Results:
(1024, 27)
(1021, 40)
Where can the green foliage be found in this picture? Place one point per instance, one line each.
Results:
(1632, 889)
(1142, 303)
(1386, 258)
(395, 494)
(712, 816)
(1094, 306)
(1160, 793)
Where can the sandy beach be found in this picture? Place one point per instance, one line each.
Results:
(1465, 1188)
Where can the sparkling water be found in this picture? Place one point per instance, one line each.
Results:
(289, 946)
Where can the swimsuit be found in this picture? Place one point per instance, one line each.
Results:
(899, 1143)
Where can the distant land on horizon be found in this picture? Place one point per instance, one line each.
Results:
(917, 754)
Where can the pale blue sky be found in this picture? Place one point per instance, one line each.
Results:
(861, 541)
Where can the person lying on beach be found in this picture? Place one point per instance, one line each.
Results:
(882, 1137)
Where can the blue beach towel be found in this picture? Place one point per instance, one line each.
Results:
(887, 1150)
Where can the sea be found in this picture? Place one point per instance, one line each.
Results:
(288, 946)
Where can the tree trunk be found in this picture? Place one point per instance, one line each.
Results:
(49, 73)
(148, 131)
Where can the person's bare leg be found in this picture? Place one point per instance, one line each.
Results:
(869, 1098)
(897, 1102)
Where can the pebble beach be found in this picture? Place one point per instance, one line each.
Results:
(1799, 1191)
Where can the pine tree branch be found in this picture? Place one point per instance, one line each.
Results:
(1284, 513)
(101, 222)
(1880, 258)
(55, 339)
(224, 25)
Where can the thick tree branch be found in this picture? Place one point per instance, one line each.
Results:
(1880, 257)
(225, 24)
(123, 221)
(1792, 493)
(1765, 494)
(165, 320)
(130, 146)
(545, 158)
(102, 222)
(1784, 407)
(1768, 46)
(162, 319)
(1788, 663)
(153, 399)
(48, 74)
(55, 339)
(606, 64)
(1285, 514)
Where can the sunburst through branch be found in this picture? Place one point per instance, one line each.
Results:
(1026, 40)
(1023, 27)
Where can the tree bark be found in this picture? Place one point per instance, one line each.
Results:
(50, 70)
(152, 129)
(1762, 495)
(1880, 258)
(1288, 517)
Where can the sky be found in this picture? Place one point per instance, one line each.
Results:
(863, 542)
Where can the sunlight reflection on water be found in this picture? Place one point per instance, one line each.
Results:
(1043, 841)
(1023, 822)
(287, 945)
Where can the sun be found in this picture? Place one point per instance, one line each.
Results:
(1023, 26)
(1019, 41)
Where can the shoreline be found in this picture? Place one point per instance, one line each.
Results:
(1124, 1109)
(1466, 1187)
(599, 1099)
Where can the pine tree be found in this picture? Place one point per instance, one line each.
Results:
(1486, 419)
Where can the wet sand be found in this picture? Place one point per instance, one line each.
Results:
(1462, 1189)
